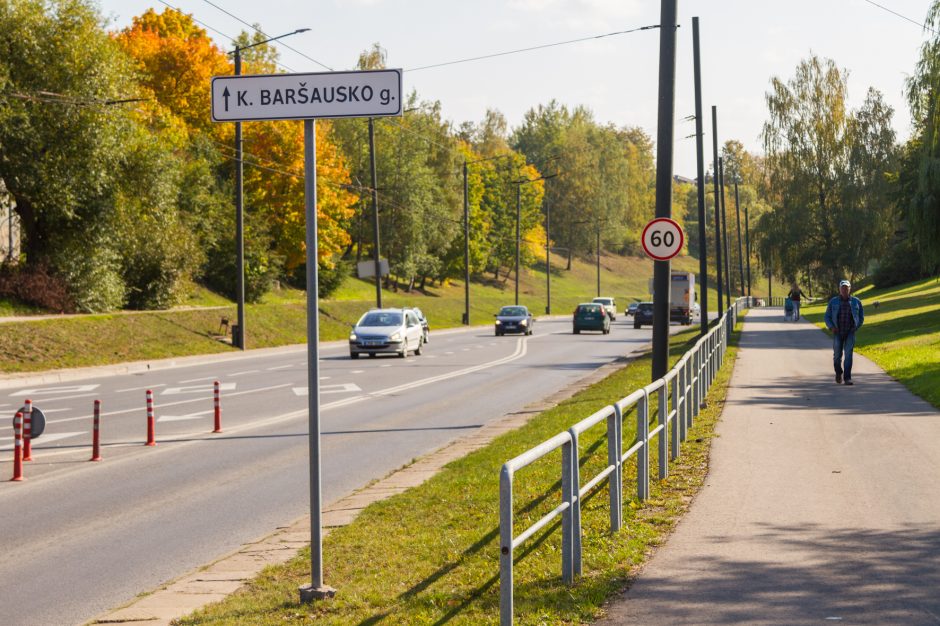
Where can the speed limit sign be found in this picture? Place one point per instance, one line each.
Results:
(663, 239)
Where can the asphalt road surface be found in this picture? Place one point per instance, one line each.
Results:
(82, 537)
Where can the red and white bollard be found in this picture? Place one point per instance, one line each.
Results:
(28, 431)
(95, 448)
(218, 408)
(18, 447)
(150, 438)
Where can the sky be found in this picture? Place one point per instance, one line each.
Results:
(744, 43)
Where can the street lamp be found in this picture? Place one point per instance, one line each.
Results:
(519, 184)
(238, 332)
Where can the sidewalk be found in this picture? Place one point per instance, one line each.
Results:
(822, 503)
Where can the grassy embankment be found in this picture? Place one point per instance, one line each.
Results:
(281, 319)
(431, 555)
(901, 334)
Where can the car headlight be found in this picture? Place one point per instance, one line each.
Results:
(395, 337)
(498, 322)
(524, 323)
(352, 336)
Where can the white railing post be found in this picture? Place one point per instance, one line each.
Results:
(614, 453)
(643, 454)
(663, 420)
(571, 517)
(505, 549)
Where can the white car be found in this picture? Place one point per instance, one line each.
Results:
(609, 304)
(386, 331)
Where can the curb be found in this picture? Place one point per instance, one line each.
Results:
(224, 576)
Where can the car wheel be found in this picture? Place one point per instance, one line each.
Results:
(577, 331)
(418, 349)
(372, 355)
(636, 324)
(353, 355)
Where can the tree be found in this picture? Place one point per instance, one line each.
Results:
(920, 190)
(827, 170)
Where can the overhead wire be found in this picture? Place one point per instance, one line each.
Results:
(903, 17)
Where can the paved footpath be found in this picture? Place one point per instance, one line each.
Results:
(822, 504)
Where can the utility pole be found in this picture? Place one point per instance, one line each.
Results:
(700, 163)
(598, 249)
(664, 148)
(737, 211)
(375, 217)
(747, 246)
(718, 266)
(548, 259)
(238, 337)
(724, 231)
(466, 246)
(518, 237)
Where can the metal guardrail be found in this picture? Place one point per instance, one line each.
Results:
(686, 384)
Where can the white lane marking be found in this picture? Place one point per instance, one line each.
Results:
(325, 377)
(183, 418)
(43, 401)
(144, 388)
(356, 371)
(449, 352)
(521, 348)
(195, 380)
(465, 349)
(279, 367)
(386, 365)
(44, 391)
(207, 389)
(430, 356)
(234, 374)
(48, 411)
(324, 389)
(163, 405)
(46, 438)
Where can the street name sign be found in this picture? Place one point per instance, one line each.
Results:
(250, 98)
(662, 239)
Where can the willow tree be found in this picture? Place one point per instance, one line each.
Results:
(828, 170)
(923, 175)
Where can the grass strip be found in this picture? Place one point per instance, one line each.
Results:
(431, 554)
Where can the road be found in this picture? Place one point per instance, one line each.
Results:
(82, 537)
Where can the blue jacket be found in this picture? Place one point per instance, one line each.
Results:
(832, 312)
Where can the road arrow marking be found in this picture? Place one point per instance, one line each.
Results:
(183, 418)
(324, 389)
(174, 391)
(54, 390)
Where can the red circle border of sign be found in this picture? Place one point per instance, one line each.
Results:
(681, 239)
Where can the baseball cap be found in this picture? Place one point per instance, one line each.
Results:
(845, 283)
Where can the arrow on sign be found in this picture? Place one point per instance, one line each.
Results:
(225, 94)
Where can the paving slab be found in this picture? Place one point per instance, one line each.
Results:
(822, 503)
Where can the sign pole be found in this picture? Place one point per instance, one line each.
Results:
(700, 187)
(316, 590)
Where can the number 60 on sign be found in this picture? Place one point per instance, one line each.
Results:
(663, 239)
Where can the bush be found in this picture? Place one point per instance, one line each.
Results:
(902, 265)
(37, 286)
(262, 268)
(329, 279)
(92, 271)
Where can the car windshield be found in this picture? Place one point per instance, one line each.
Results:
(587, 308)
(380, 318)
(645, 307)
(513, 311)
(602, 300)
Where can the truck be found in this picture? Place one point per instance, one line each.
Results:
(681, 296)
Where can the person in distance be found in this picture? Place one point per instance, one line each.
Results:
(844, 316)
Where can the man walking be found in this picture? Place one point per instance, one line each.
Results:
(844, 316)
(795, 294)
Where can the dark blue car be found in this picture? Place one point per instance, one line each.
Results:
(514, 319)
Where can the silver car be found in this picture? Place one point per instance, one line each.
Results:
(386, 331)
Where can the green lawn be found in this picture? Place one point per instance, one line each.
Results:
(444, 569)
(901, 334)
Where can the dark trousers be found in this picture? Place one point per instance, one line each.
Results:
(843, 345)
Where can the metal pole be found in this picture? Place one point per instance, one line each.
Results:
(466, 246)
(724, 233)
(518, 238)
(548, 259)
(238, 339)
(664, 141)
(598, 249)
(747, 249)
(737, 211)
(700, 162)
(375, 217)
(317, 589)
(718, 266)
